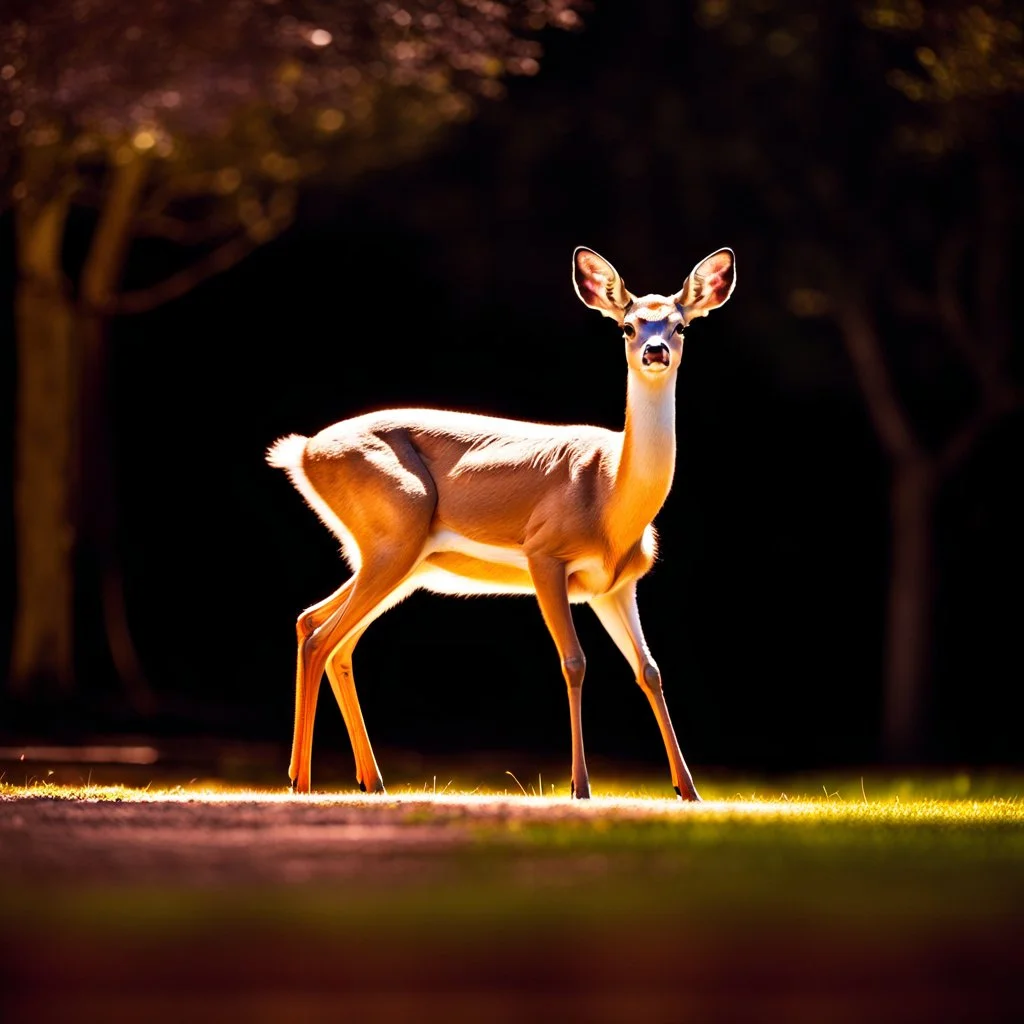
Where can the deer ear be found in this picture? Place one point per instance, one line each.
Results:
(598, 284)
(709, 285)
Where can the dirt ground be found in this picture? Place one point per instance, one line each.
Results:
(284, 909)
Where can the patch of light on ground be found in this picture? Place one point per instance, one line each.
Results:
(827, 807)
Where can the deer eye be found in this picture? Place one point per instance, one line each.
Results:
(628, 330)
(680, 328)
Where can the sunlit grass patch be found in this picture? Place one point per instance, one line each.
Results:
(856, 883)
(925, 800)
(225, 771)
(830, 853)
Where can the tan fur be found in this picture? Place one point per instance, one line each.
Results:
(468, 504)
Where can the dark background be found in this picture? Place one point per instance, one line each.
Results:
(446, 282)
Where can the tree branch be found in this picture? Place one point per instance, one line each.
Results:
(262, 222)
(865, 351)
(980, 348)
(962, 442)
(952, 316)
(143, 300)
(182, 232)
(109, 245)
(197, 185)
(912, 302)
(992, 260)
(39, 233)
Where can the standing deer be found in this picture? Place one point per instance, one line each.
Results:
(465, 504)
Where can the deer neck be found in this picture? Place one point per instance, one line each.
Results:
(647, 462)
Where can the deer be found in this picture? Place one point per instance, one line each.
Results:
(468, 504)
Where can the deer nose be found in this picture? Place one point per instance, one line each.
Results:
(656, 353)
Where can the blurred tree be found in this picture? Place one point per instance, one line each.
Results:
(196, 123)
(882, 158)
(863, 155)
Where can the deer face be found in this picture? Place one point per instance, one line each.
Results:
(653, 325)
(653, 330)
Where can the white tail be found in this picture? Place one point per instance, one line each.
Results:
(465, 504)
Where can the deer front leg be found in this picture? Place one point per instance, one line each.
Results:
(620, 616)
(549, 580)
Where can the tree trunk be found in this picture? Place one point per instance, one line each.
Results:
(99, 558)
(64, 500)
(908, 616)
(98, 563)
(45, 420)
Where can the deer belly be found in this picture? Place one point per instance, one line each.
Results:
(456, 564)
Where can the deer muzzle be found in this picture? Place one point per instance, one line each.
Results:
(655, 355)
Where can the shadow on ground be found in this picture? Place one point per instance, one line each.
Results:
(199, 902)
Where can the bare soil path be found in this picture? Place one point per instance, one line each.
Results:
(261, 906)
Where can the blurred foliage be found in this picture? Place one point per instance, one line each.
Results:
(960, 63)
(235, 103)
(194, 123)
(885, 147)
(779, 125)
(961, 51)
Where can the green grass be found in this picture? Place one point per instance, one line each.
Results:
(914, 848)
(831, 897)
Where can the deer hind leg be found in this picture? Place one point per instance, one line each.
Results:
(307, 624)
(549, 580)
(619, 615)
(339, 672)
(383, 580)
(385, 496)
